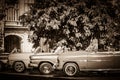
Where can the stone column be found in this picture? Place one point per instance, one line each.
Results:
(1, 36)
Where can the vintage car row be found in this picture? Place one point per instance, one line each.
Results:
(19, 62)
(72, 62)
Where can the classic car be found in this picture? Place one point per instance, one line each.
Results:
(74, 61)
(45, 61)
(19, 61)
(3, 60)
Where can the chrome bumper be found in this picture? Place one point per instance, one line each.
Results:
(33, 65)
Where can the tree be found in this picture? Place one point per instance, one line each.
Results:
(73, 22)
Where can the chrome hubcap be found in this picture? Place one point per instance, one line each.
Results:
(19, 67)
(70, 70)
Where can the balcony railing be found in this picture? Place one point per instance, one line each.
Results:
(13, 12)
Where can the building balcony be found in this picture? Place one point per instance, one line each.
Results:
(14, 25)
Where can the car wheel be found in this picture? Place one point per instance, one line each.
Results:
(70, 69)
(19, 67)
(45, 68)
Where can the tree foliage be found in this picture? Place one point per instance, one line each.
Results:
(75, 22)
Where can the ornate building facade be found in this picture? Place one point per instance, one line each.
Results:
(13, 34)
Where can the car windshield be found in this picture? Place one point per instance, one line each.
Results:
(56, 50)
(38, 50)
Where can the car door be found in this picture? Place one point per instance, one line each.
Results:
(100, 60)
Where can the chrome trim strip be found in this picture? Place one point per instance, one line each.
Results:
(99, 60)
(100, 55)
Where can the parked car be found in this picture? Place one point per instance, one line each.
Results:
(45, 62)
(19, 61)
(3, 60)
(73, 62)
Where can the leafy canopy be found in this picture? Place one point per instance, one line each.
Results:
(73, 22)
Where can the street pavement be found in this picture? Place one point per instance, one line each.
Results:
(57, 75)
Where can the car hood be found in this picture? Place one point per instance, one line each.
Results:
(69, 53)
(44, 56)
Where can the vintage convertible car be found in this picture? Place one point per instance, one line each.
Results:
(73, 62)
(19, 61)
(44, 62)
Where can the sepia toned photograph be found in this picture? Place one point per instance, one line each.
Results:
(59, 40)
